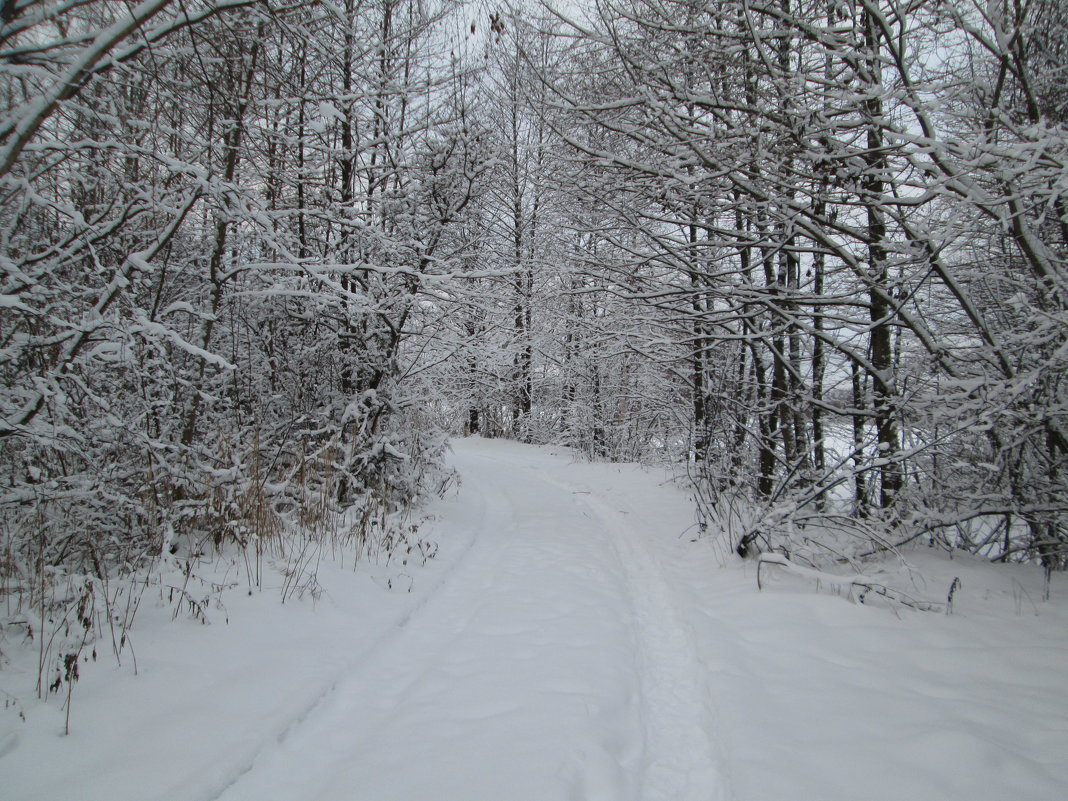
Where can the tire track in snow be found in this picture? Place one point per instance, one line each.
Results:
(271, 742)
(348, 745)
(681, 761)
(533, 532)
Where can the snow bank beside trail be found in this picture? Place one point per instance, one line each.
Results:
(834, 700)
(208, 696)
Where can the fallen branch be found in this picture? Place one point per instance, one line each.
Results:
(857, 587)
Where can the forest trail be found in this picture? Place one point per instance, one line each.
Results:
(549, 664)
(573, 641)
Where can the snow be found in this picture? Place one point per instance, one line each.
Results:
(157, 329)
(571, 641)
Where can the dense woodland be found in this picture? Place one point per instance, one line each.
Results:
(260, 258)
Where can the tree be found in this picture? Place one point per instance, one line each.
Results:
(200, 344)
(769, 155)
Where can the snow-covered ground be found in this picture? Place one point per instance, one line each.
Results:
(571, 641)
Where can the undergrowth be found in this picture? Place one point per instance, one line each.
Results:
(70, 615)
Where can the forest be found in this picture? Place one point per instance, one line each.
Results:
(260, 259)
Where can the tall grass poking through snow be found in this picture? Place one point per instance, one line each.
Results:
(71, 593)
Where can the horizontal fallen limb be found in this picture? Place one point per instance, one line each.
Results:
(857, 587)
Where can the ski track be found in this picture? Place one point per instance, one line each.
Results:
(268, 746)
(680, 757)
(562, 696)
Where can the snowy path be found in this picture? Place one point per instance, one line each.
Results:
(549, 665)
(567, 645)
